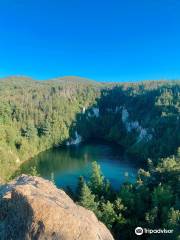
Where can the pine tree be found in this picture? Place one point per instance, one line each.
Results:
(79, 187)
(173, 221)
(108, 215)
(96, 182)
(86, 198)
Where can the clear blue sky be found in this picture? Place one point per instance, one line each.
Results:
(105, 40)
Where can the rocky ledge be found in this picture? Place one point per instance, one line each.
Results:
(33, 208)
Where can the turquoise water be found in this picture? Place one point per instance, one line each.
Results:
(65, 165)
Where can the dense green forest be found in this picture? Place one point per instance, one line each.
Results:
(143, 118)
(152, 202)
(37, 115)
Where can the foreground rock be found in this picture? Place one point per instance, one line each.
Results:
(33, 208)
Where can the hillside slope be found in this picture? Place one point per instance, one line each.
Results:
(36, 115)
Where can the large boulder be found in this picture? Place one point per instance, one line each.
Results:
(33, 208)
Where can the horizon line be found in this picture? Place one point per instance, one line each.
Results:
(87, 79)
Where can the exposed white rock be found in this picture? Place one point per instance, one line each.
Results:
(89, 114)
(75, 141)
(144, 135)
(134, 125)
(83, 110)
(95, 111)
(117, 109)
(125, 115)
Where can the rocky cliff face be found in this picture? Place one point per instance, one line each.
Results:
(33, 208)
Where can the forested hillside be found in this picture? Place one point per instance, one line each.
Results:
(143, 118)
(37, 115)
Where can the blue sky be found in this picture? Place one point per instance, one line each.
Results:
(105, 40)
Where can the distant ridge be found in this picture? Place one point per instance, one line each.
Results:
(71, 79)
(65, 79)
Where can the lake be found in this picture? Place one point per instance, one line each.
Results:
(65, 165)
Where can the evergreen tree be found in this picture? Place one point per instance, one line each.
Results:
(96, 182)
(87, 199)
(79, 187)
(108, 215)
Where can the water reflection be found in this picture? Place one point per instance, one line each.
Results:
(65, 165)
